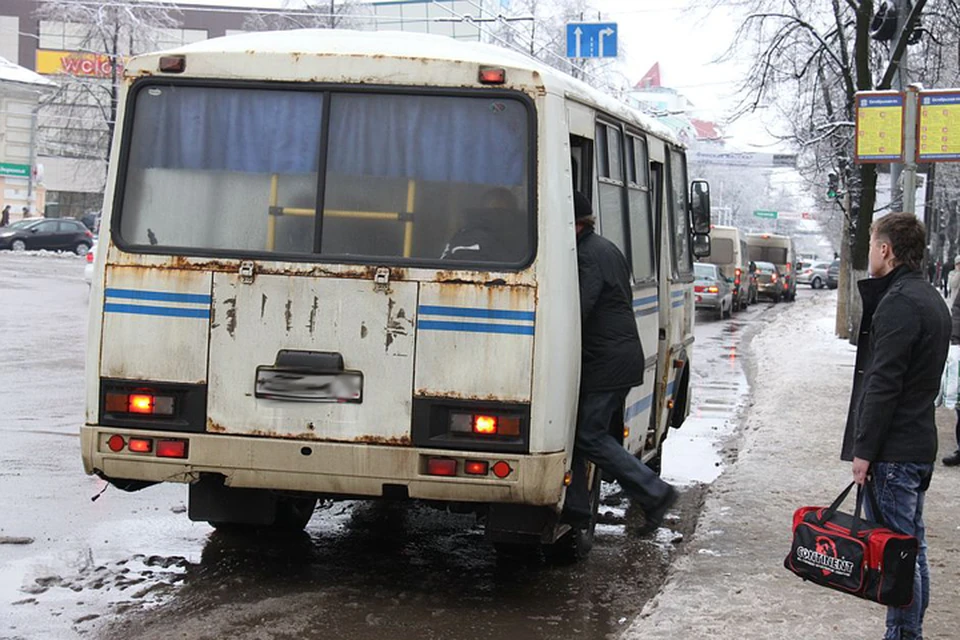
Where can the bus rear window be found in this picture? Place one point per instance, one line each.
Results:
(398, 178)
(776, 255)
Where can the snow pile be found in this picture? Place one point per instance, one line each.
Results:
(10, 72)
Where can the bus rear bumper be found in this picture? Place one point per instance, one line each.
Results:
(335, 468)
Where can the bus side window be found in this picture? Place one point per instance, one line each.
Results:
(610, 189)
(581, 168)
(642, 245)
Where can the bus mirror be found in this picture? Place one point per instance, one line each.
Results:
(701, 245)
(700, 206)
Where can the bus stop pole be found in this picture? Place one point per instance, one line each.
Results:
(909, 175)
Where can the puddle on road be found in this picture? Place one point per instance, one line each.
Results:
(693, 453)
(407, 571)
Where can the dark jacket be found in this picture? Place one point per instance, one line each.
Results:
(902, 347)
(611, 349)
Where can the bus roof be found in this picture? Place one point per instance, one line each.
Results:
(406, 46)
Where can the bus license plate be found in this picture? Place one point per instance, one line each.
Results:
(307, 386)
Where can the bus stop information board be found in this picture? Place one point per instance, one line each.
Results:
(880, 127)
(938, 129)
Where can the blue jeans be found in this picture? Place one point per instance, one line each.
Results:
(900, 488)
(596, 412)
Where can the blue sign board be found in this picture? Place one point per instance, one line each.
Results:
(592, 40)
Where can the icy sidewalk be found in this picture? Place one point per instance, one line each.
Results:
(731, 582)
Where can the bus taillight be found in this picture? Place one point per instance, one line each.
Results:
(490, 75)
(441, 467)
(485, 424)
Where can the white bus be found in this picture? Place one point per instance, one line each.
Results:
(343, 264)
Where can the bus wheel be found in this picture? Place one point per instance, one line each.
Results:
(293, 514)
(575, 544)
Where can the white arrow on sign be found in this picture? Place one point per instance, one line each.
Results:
(576, 49)
(604, 32)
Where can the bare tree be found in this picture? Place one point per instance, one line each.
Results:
(811, 57)
(314, 14)
(78, 120)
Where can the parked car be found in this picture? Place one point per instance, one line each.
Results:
(770, 281)
(711, 290)
(42, 233)
(833, 274)
(88, 268)
(813, 274)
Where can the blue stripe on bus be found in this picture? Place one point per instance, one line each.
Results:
(641, 405)
(158, 296)
(145, 310)
(677, 304)
(474, 312)
(639, 302)
(475, 327)
(637, 408)
(677, 294)
(645, 312)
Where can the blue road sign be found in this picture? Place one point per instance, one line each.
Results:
(592, 40)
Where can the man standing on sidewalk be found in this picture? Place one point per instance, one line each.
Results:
(611, 363)
(891, 433)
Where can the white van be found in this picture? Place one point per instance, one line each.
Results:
(728, 250)
(767, 247)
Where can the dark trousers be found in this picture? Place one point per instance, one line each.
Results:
(595, 442)
(957, 428)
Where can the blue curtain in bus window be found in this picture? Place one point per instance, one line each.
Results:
(443, 139)
(251, 131)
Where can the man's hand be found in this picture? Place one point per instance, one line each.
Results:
(860, 469)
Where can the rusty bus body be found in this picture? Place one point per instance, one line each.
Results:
(268, 355)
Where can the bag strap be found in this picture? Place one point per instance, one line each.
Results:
(830, 511)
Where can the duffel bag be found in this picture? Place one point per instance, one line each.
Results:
(853, 555)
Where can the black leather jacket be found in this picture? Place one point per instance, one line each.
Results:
(902, 347)
(612, 356)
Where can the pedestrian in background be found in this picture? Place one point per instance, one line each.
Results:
(953, 459)
(26, 212)
(891, 432)
(953, 281)
(611, 364)
(5, 216)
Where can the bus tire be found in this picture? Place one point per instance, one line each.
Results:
(575, 545)
(291, 516)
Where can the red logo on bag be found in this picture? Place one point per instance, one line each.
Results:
(827, 547)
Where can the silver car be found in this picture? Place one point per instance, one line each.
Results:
(711, 290)
(813, 274)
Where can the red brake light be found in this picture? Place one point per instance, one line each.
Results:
(492, 76)
(140, 403)
(501, 469)
(89, 256)
(476, 467)
(116, 443)
(441, 466)
(485, 424)
(173, 64)
(698, 288)
(140, 445)
(172, 449)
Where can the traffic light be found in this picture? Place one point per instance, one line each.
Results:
(833, 185)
